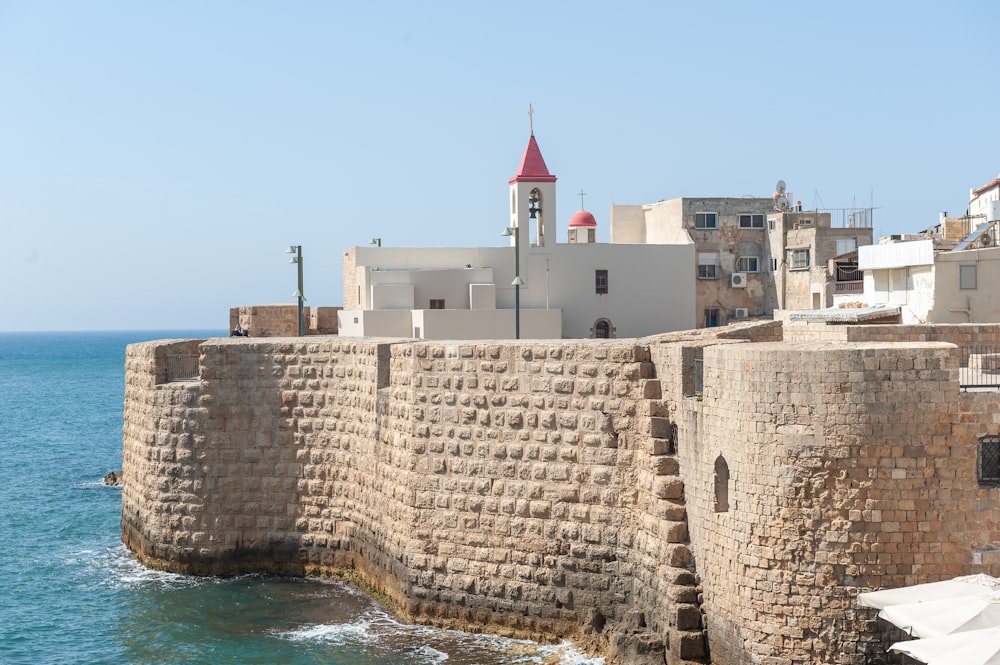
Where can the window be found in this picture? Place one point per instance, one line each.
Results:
(708, 266)
(748, 264)
(437, 303)
(721, 485)
(798, 259)
(989, 460)
(846, 245)
(967, 277)
(770, 225)
(706, 220)
(774, 265)
(602, 329)
(601, 281)
(751, 221)
(712, 317)
(804, 224)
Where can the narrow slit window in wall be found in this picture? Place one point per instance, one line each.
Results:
(721, 485)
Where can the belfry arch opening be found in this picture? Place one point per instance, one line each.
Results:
(536, 218)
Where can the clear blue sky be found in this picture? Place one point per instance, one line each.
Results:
(156, 158)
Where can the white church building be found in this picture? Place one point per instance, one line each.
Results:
(536, 288)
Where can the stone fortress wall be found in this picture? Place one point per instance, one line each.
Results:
(718, 496)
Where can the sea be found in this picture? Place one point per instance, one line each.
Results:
(70, 592)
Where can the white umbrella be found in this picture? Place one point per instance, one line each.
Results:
(974, 647)
(976, 586)
(942, 617)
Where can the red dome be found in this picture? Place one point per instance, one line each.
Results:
(582, 218)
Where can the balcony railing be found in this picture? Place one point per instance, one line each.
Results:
(848, 287)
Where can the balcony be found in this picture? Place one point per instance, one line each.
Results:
(849, 287)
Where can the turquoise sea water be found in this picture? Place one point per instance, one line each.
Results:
(70, 592)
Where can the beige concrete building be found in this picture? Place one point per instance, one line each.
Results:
(753, 255)
(535, 288)
(812, 262)
(730, 244)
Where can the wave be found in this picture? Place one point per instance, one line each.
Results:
(435, 646)
(118, 569)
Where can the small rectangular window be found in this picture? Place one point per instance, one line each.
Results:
(770, 225)
(798, 259)
(748, 264)
(437, 303)
(774, 265)
(601, 281)
(706, 220)
(846, 245)
(713, 317)
(967, 278)
(989, 460)
(708, 266)
(751, 221)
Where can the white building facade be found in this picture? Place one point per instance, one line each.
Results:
(536, 288)
(957, 286)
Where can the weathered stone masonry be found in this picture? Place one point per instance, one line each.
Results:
(576, 488)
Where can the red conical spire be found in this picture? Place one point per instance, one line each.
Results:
(533, 167)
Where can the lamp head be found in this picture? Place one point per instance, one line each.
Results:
(507, 232)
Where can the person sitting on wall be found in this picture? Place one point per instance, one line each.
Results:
(239, 331)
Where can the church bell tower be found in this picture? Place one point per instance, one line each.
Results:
(533, 196)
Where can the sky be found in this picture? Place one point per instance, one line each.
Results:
(157, 158)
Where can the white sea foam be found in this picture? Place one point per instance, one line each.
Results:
(121, 570)
(438, 645)
(433, 656)
(357, 631)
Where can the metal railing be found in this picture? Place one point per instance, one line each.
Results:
(182, 367)
(981, 369)
(848, 287)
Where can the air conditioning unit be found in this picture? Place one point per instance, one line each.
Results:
(742, 312)
(738, 280)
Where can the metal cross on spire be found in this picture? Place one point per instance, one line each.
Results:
(531, 124)
(582, 194)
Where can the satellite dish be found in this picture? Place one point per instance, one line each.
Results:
(780, 198)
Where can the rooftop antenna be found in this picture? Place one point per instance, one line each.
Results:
(817, 201)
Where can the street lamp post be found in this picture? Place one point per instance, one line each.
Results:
(518, 282)
(297, 251)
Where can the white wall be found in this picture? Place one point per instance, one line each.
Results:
(651, 286)
(896, 255)
(383, 323)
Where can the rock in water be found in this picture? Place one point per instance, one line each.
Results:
(113, 478)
